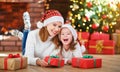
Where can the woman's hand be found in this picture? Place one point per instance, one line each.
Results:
(41, 63)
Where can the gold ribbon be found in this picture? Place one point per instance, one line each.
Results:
(99, 46)
(80, 37)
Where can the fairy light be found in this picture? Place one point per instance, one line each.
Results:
(87, 28)
(79, 17)
(80, 30)
(90, 25)
(100, 32)
(83, 24)
(78, 25)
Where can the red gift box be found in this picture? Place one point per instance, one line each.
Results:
(101, 46)
(54, 61)
(99, 36)
(84, 36)
(87, 62)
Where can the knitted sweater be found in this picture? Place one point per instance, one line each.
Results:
(67, 55)
(35, 48)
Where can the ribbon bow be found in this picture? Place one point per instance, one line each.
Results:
(54, 56)
(13, 55)
(87, 56)
(99, 46)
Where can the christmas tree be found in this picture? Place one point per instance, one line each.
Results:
(94, 15)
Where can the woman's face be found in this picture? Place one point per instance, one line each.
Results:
(54, 28)
(66, 36)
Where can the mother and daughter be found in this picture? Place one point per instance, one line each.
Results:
(52, 38)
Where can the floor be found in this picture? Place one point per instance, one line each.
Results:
(110, 63)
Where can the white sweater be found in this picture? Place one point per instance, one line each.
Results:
(67, 55)
(35, 48)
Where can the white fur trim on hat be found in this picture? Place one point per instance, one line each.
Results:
(39, 24)
(73, 31)
(52, 19)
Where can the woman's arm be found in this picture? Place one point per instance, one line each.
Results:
(29, 49)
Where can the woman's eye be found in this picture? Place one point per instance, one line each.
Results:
(54, 24)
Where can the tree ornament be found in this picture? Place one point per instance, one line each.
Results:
(75, 6)
(105, 28)
(104, 16)
(118, 5)
(87, 18)
(89, 4)
(95, 26)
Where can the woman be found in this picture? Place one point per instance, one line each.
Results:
(43, 41)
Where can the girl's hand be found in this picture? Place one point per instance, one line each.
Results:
(69, 62)
(41, 63)
(82, 42)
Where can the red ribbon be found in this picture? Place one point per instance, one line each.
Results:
(13, 56)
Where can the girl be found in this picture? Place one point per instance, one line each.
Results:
(43, 41)
(69, 45)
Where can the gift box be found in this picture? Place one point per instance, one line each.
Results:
(13, 62)
(99, 36)
(101, 47)
(86, 62)
(84, 36)
(54, 61)
(116, 38)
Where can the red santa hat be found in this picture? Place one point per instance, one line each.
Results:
(73, 31)
(50, 16)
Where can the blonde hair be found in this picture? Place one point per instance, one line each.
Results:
(44, 34)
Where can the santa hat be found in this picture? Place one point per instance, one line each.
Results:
(73, 31)
(50, 16)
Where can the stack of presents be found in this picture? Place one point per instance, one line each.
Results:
(96, 43)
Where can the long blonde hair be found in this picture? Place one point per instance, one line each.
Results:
(44, 34)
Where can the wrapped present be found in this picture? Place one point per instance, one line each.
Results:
(99, 36)
(54, 61)
(101, 47)
(87, 62)
(13, 62)
(116, 38)
(84, 36)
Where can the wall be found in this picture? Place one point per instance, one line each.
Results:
(11, 12)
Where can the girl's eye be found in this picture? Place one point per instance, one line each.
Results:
(59, 26)
(68, 34)
(62, 34)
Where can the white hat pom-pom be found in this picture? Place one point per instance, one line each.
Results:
(39, 24)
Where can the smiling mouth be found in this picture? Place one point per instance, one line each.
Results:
(65, 40)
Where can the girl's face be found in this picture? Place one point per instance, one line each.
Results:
(54, 28)
(66, 36)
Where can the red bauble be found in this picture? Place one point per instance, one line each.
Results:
(94, 26)
(86, 18)
(89, 4)
(105, 28)
(104, 16)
